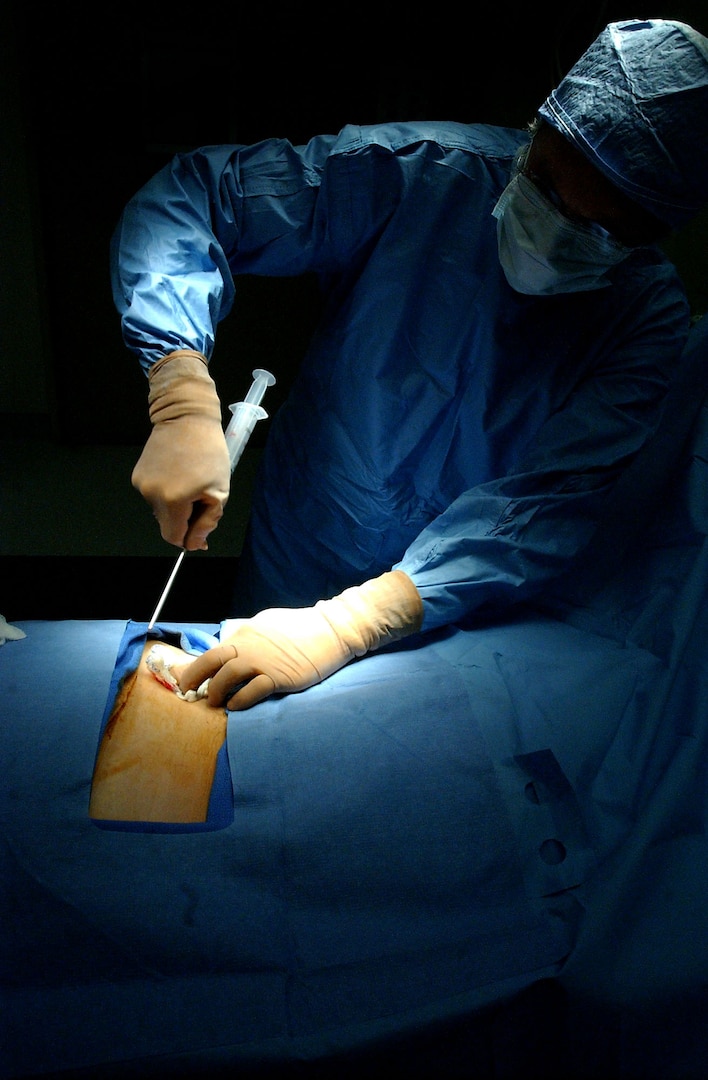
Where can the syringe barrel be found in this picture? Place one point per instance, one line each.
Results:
(244, 417)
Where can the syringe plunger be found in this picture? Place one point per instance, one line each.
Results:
(261, 381)
(245, 414)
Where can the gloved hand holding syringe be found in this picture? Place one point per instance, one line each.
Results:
(244, 416)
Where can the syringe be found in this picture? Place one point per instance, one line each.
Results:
(245, 414)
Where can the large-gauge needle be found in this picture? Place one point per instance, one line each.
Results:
(167, 588)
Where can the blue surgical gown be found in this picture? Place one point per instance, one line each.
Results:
(441, 422)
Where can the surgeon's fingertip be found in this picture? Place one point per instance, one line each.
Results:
(178, 672)
(239, 700)
(187, 681)
(213, 697)
(251, 693)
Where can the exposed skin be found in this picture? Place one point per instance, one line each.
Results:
(583, 193)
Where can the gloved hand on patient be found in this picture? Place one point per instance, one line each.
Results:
(184, 471)
(284, 650)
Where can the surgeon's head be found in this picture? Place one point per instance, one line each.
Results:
(618, 159)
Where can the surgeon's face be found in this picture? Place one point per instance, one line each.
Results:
(583, 194)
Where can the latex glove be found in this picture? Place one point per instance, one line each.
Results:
(184, 471)
(282, 650)
(9, 633)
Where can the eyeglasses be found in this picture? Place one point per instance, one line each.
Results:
(546, 188)
(629, 225)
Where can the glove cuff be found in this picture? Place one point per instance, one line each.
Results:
(178, 354)
(376, 613)
(180, 385)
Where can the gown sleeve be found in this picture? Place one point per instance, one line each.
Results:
(504, 541)
(206, 216)
(271, 209)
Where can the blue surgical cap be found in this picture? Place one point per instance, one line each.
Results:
(636, 104)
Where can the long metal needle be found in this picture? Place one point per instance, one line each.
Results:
(166, 589)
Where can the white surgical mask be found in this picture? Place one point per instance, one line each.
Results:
(542, 252)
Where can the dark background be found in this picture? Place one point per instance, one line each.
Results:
(106, 101)
(94, 103)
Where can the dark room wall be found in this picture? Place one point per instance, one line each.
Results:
(93, 107)
(105, 103)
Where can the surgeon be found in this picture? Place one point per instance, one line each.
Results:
(498, 333)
